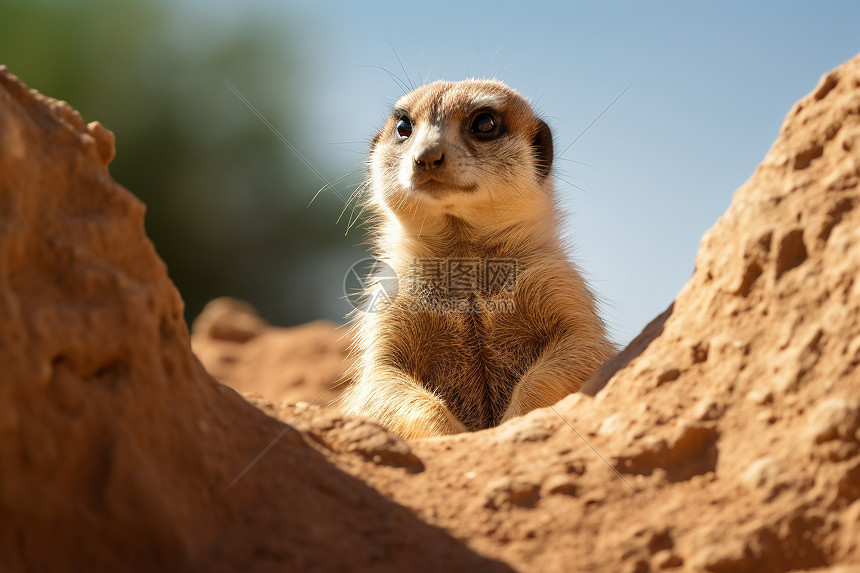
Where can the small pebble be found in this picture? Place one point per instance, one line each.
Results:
(835, 418)
(560, 483)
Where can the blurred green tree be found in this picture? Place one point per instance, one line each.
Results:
(226, 200)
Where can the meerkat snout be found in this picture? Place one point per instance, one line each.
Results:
(427, 170)
(430, 157)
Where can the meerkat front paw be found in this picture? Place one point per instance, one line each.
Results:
(427, 419)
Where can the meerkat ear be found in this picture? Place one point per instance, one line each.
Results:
(542, 143)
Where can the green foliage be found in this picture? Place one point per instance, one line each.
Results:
(226, 199)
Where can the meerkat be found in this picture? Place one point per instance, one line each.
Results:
(490, 320)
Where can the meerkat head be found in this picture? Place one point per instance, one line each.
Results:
(450, 146)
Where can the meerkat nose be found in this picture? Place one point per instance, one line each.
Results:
(429, 157)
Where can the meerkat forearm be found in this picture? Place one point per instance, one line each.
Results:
(400, 403)
(561, 370)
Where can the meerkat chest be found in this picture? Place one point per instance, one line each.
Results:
(466, 338)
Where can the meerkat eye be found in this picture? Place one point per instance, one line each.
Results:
(484, 124)
(404, 127)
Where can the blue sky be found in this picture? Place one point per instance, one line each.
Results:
(711, 85)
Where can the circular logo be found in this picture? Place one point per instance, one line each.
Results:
(370, 285)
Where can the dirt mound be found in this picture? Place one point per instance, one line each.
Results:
(279, 365)
(727, 437)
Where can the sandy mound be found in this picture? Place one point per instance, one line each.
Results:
(279, 365)
(726, 439)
